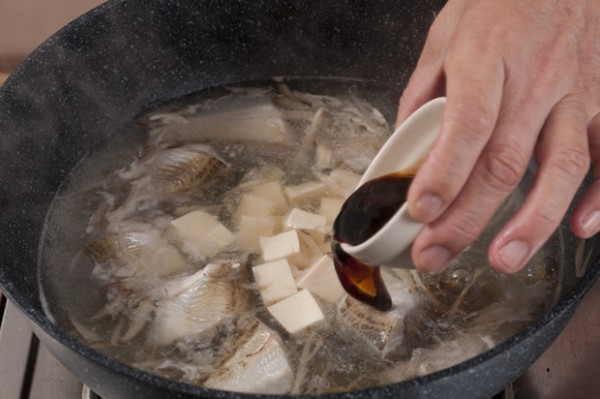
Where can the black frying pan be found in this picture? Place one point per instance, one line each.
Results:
(91, 79)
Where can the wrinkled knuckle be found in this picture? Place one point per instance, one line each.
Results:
(466, 228)
(545, 72)
(573, 163)
(546, 218)
(504, 168)
(473, 120)
(547, 76)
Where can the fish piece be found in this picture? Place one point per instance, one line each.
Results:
(199, 303)
(356, 132)
(249, 117)
(178, 170)
(107, 248)
(142, 197)
(128, 310)
(440, 356)
(136, 253)
(381, 330)
(258, 365)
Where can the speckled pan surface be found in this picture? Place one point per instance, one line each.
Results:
(93, 77)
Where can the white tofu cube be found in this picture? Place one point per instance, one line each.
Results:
(346, 179)
(305, 192)
(280, 245)
(221, 236)
(326, 247)
(311, 249)
(330, 208)
(273, 192)
(297, 312)
(322, 280)
(192, 223)
(251, 205)
(275, 281)
(201, 235)
(269, 172)
(252, 227)
(323, 155)
(302, 220)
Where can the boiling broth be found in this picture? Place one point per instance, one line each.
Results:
(116, 272)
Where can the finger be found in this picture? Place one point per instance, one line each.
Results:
(495, 175)
(563, 160)
(585, 221)
(474, 93)
(427, 81)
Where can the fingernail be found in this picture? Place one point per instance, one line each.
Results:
(514, 254)
(434, 258)
(428, 207)
(591, 223)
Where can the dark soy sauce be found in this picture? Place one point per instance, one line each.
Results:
(365, 212)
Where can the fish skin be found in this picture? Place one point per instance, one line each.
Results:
(259, 365)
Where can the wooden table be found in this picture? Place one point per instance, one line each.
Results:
(27, 369)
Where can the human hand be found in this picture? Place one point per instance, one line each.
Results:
(522, 79)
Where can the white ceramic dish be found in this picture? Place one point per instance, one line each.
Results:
(403, 153)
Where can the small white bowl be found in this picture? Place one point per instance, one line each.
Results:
(402, 153)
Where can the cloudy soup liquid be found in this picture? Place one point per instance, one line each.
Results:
(181, 247)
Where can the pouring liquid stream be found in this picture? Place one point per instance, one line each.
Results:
(366, 211)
